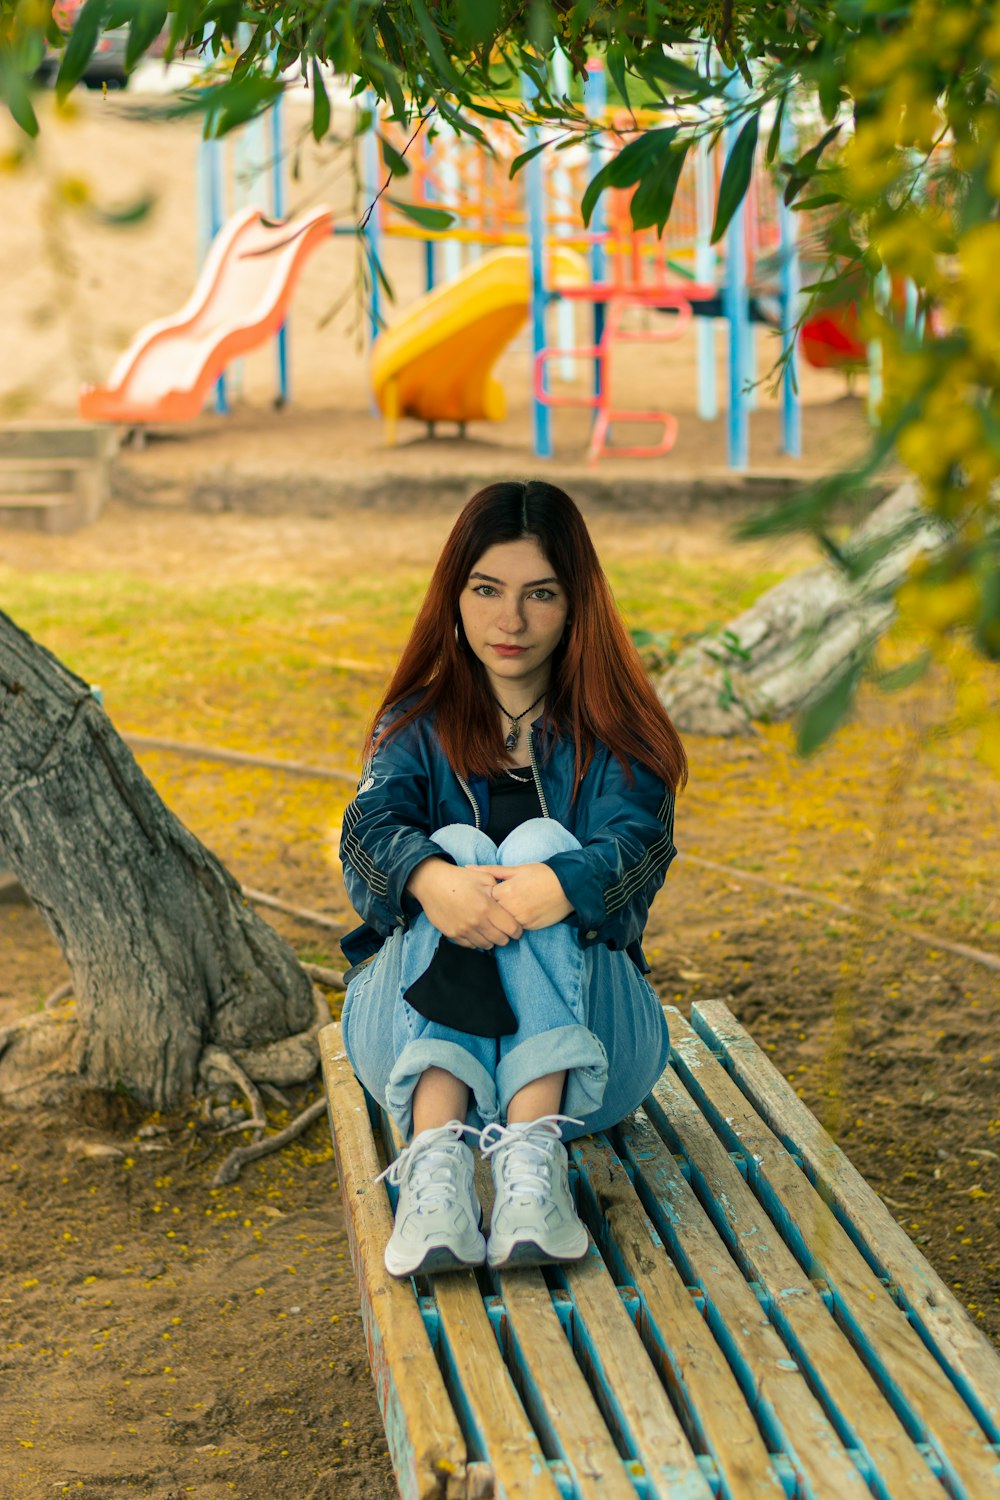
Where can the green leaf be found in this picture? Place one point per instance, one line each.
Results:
(800, 172)
(829, 710)
(615, 59)
(774, 138)
(382, 73)
(396, 163)
(129, 213)
(630, 164)
(735, 177)
(654, 197)
(595, 187)
(321, 104)
(446, 75)
(820, 200)
(658, 65)
(14, 89)
(526, 156)
(80, 46)
(145, 26)
(427, 218)
(903, 677)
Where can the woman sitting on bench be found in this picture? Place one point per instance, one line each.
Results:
(513, 822)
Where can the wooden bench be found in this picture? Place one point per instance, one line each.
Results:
(750, 1320)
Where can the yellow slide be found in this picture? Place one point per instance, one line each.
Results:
(436, 363)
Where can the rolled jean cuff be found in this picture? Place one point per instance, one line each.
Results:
(414, 1060)
(572, 1048)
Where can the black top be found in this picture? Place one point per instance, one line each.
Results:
(462, 986)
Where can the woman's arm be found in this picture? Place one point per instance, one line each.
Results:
(385, 833)
(627, 837)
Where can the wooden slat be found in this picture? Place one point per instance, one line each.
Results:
(425, 1442)
(481, 1384)
(797, 1310)
(783, 1398)
(556, 1390)
(890, 1346)
(607, 1338)
(702, 1370)
(961, 1345)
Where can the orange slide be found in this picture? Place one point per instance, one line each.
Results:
(240, 300)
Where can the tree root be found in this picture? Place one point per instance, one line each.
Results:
(239, 758)
(59, 994)
(303, 913)
(292, 1060)
(333, 978)
(241, 1155)
(215, 1060)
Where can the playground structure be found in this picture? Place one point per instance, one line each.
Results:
(240, 299)
(678, 273)
(639, 287)
(750, 1319)
(437, 363)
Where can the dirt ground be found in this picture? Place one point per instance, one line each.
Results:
(162, 1338)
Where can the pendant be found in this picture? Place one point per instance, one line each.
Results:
(513, 736)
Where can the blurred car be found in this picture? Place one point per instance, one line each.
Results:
(106, 64)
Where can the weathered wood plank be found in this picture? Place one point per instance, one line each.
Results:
(852, 1399)
(556, 1393)
(607, 1340)
(778, 1396)
(892, 1349)
(481, 1386)
(974, 1363)
(425, 1442)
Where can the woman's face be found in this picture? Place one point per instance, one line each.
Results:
(513, 611)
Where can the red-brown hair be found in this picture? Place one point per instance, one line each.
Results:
(599, 689)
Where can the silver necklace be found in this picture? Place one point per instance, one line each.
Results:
(514, 732)
(521, 780)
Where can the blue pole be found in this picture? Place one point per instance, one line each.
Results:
(791, 412)
(541, 414)
(735, 303)
(216, 215)
(706, 271)
(595, 98)
(369, 187)
(278, 206)
(430, 246)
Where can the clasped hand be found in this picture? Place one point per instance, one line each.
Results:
(485, 906)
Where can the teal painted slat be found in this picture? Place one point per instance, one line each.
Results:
(925, 1401)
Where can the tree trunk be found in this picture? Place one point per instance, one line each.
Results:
(780, 654)
(166, 956)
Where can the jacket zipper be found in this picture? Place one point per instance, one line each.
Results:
(536, 775)
(466, 788)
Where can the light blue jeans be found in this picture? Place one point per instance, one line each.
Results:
(586, 1010)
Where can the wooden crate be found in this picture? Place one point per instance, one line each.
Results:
(750, 1320)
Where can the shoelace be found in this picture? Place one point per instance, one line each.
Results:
(528, 1168)
(431, 1151)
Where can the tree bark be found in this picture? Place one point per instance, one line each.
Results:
(780, 654)
(167, 957)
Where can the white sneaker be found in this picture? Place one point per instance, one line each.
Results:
(534, 1220)
(438, 1216)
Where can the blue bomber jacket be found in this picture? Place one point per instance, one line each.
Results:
(408, 790)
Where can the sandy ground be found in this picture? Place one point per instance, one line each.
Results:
(162, 1338)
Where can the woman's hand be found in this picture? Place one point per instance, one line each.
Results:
(530, 893)
(458, 901)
